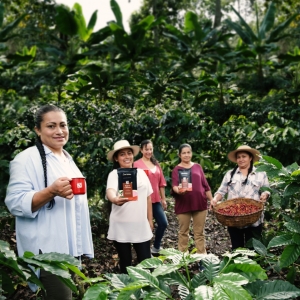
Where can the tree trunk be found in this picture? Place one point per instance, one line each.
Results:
(218, 14)
(155, 31)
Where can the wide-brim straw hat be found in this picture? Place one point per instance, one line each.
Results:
(123, 144)
(244, 148)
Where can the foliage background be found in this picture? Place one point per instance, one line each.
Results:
(189, 72)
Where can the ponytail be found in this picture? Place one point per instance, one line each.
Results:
(231, 175)
(41, 149)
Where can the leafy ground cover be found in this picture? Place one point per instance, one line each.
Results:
(106, 258)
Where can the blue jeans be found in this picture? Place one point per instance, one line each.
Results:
(161, 221)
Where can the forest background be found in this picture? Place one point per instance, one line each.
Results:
(185, 73)
(188, 71)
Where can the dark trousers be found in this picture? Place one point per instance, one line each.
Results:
(240, 236)
(55, 288)
(124, 252)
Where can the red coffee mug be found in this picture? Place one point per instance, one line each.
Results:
(78, 186)
(147, 172)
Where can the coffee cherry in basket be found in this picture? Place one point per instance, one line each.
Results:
(239, 209)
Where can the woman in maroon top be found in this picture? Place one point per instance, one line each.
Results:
(190, 204)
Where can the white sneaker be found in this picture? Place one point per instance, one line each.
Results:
(155, 251)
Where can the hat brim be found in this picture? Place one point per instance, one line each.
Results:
(135, 150)
(232, 155)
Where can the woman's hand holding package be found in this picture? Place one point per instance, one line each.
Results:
(119, 201)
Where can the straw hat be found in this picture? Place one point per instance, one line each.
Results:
(123, 144)
(244, 148)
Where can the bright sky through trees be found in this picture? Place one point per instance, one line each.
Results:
(105, 13)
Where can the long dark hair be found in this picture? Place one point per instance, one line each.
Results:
(152, 158)
(116, 164)
(39, 116)
(181, 147)
(235, 168)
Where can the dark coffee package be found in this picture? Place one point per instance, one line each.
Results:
(185, 179)
(127, 183)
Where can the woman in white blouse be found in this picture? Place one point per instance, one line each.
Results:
(130, 222)
(49, 217)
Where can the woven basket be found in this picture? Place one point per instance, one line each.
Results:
(238, 221)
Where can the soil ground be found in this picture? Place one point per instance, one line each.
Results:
(106, 258)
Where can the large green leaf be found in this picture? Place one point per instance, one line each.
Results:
(289, 255)
(142, 276)
(119, 281)
(153, 296)
(198, 279)
(219, 293)
(244, 260)
(250, 271)
(153, 262)
(175, 278)
(5, 249)
(259, 247)
(296, 238)
(129, 294)
(203, 293)
(212, 267)
(248, 29)
(233, 277)
(92, 21)
(281, 240)
(165, 269)
(55, 257)
(93, 293)
(274, 36)
(191, 24)
(65, 21)
(117, 12)
(293, 226)
(83, 32)
(230, 284)
(291, 189)
(268, 21)
(8, 28)
(296, 173)
(239, 30)
(277, 289)
(273, 161)
(136, 285)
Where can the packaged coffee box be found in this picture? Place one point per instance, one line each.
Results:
(185, 179)
(127, 183)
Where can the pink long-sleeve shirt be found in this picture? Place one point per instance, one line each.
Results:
(157, 179)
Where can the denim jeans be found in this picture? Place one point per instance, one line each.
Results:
(161, 221)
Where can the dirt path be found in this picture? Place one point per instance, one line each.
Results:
(106, 258)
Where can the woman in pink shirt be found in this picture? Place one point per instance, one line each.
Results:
(158, 182)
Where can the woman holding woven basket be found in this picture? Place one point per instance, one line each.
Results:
(243, 182)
